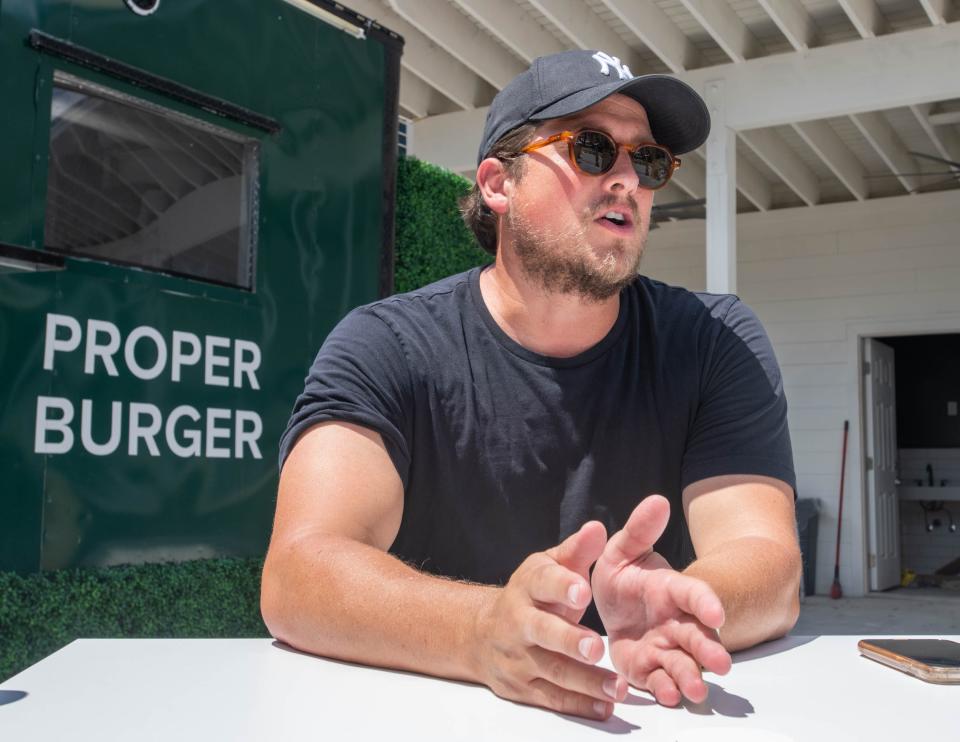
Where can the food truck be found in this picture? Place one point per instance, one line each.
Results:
(193, 193)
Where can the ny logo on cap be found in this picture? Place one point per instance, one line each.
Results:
(606, 62)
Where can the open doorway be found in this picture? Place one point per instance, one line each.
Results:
(912, 462)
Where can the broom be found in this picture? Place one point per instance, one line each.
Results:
(835, 590)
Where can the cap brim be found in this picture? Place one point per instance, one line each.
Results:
(678, 116)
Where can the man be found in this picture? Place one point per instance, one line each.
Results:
(460, 454)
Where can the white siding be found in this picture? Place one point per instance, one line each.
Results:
(819, 278)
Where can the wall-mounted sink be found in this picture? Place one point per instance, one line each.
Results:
(913, 492)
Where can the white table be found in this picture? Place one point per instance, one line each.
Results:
(804, 689)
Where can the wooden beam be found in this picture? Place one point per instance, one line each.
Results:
(454, 33)
(835, 155)
(725, 26)
(658, 33)
(793, 20)
(784, 162)
(944, 138)
(513, 27)
(888, 145)
(428, 61)
(865, 17)
(753, 185)
(585, 29)
(936, 10)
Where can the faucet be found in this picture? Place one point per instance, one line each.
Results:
(930, 474)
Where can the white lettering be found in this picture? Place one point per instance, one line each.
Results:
(242, 366)
(130, 354)
(192, 436)
(211, 360)
(51, 344)
(86, 424)
(179, 358)
(250, 437)
(606, 62)
(214, 433)
(104, 352)
(146, 432)
(59, 425)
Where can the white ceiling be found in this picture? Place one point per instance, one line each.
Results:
(459, 53)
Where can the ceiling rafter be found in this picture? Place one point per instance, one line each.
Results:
(461, 39)
(753, 185)
(936, 10)
(428, 61)
(659, 34)
(835, 155)
(793, 20)
(865, 16)
(722, 23)
(415, 95)
(513, 27)
(944, 139)
(784, 162)
(885, 141)
(691, 176)
(586, 30)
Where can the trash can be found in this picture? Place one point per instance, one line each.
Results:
(808, 510)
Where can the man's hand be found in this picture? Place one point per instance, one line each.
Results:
(661, 624)
(531, 648)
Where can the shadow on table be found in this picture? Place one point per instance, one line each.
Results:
(719, 701)
(768, 649)
(613, 725)
(11, 696)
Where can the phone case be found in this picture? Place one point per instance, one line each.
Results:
(909, 665)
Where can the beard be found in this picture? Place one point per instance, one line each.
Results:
(566, 263)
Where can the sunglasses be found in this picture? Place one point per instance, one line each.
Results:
(595, 153)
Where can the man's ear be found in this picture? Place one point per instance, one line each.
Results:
(495, 185)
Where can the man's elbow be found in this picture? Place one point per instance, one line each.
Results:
(791, 596)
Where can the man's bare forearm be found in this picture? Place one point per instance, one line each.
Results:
(757, 580)
(337, 597)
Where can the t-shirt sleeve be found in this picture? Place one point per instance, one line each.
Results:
(360, 376)
(740, 424)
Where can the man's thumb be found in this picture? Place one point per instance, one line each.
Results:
(580, 550)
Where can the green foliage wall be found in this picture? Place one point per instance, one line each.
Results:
(432, 240)
(41, 613)
(218, 597)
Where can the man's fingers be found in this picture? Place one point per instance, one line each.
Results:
(554, 697)
(551, 632)
(685, 673)
(555, 584)
(696, 598)
(644, 526)
(696, 640)
(596, 682)
(661, 685)
(580, 550)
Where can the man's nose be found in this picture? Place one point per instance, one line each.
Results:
(622, 176)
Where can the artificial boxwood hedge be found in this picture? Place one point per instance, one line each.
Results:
(432, 241)
(41, 613)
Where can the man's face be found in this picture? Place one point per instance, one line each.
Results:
(556, 213)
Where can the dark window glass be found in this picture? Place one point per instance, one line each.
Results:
(136, 184)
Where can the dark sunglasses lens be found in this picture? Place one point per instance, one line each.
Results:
(594, 152)
(653, 166)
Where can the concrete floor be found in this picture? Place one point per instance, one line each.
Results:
(899, 611)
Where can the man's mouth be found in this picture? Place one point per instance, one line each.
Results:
(619, 221)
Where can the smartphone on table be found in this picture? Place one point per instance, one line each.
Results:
(933, 660)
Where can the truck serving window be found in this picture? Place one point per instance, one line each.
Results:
(134, 183)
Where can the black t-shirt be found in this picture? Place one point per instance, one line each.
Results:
(503, 452)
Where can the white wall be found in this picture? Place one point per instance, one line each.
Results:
(820, 278)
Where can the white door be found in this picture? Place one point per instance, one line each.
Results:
(881, 450)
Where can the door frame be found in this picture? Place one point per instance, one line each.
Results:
(855, 576)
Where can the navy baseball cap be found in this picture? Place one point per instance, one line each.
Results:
(561, 84)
